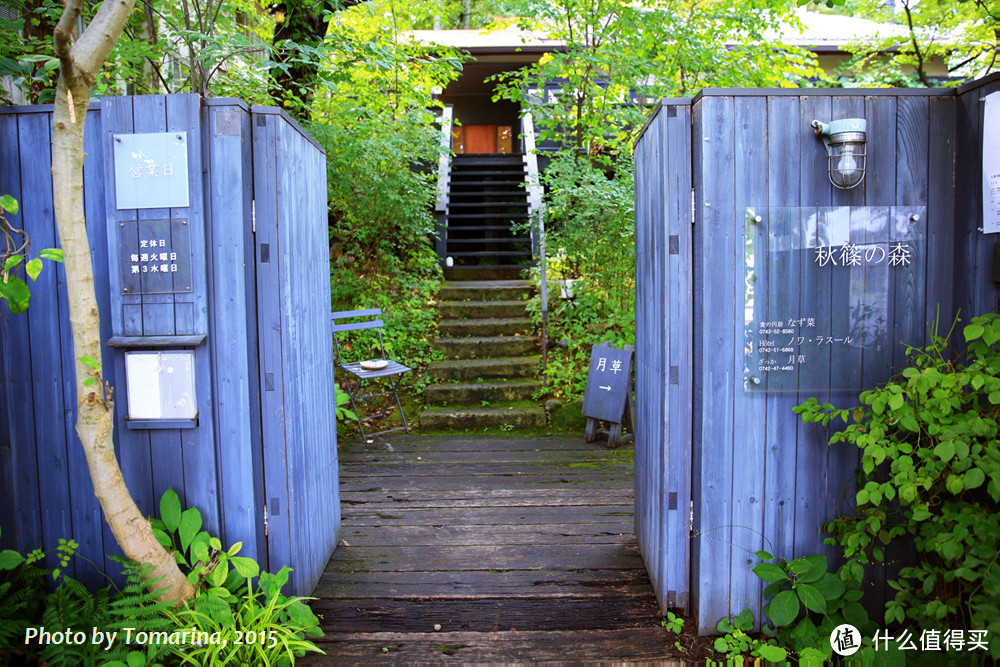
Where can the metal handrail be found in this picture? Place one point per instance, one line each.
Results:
(536, 213)
(447, 120)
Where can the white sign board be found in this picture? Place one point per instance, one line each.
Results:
(991, 164)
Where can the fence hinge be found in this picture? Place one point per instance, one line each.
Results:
(265, 518)
(253, 218)
(692, 206)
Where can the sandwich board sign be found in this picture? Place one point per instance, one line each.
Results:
(609, 389)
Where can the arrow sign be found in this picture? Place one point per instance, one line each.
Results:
(608, 381)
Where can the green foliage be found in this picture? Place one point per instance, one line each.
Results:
(264, 627)
(673, 623)
(619, 50)
(25, 602)
(807, 602)
(342, 399)
(961, 34)
(590, 230)
(930, 476)
(736, 640)
(13, 258)
(246, 621)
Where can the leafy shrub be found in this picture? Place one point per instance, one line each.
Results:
(590, 231)
(25, 602)
(807, 602)
(930, 476)
(249, 623)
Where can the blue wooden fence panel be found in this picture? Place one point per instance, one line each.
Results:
(760, 478)
(663, 378)
(975, 290)
(221, 465)
(300, 445)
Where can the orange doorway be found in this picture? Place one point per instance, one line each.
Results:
(483, 139)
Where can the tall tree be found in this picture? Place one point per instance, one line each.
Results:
(300, 28)
(81, 59)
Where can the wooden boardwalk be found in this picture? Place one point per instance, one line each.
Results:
(486, 549)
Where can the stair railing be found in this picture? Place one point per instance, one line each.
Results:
(536, 210)
(447, 122)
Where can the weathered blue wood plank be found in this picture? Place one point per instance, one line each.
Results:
(713, 499)
(269, 328)
(698, 127)
(941, 224)
(649, 353)
(43, 323)
(679, 456)
(815, 299)
(231, 251)
(26, 524)
(749, 189)
(784, 138)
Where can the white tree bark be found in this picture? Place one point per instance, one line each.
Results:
(82, 59)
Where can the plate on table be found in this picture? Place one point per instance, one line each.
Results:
(374, 364)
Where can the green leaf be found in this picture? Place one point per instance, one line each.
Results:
(245, 566)
(973, 331)
(9, 204)
(12, 261)
(763, 555)
(136, 659)
(9, 559)
(945, 450)
(830, 586)
(896, 401)
(188, 526)
(17, 294)
(170, 510)
(855, 614)
(53, 254)
(811, 598)
(769, 572)
(799, 566)
(90, 362)
(33, 268)
(817, 568)
(772, 653)
(955, 484)
(974, 477)
(720, 645)
(783, 608)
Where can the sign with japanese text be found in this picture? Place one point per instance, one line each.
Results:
(825, 292)
(154, 256)
(607, 383)
(991, 164)
(151, 170)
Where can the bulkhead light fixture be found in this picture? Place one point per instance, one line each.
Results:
(845, 143)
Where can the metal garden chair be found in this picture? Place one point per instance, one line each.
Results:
(357, 372)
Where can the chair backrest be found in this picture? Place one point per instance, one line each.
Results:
(374, 321)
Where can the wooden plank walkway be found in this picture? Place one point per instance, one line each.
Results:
(516, 550)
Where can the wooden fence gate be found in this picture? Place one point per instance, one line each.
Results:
(233, 200)
(739, 318)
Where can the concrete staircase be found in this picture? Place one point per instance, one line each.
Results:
(492, 363)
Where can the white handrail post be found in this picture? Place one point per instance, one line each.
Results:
(536, 214)
(443, 183)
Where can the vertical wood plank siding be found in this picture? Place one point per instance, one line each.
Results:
(663, 312)
(221, 465)
(975, 291)
(760, 478)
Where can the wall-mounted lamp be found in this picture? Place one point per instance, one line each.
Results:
(845, 148)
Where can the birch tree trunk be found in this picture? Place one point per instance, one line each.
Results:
(81, 60)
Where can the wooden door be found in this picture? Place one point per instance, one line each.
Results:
(480, 139)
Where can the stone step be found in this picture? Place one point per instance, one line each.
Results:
(474, 393)
(471, 369)
(472, 310)
(481, 273)
(491, 326)
(476, 418)
(485, 290)
(489, 346)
